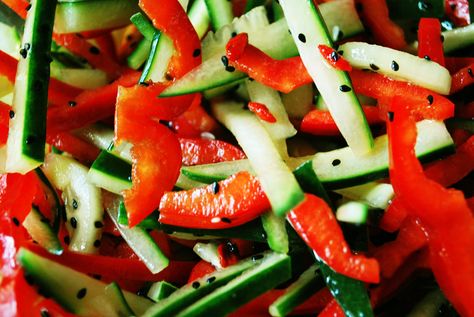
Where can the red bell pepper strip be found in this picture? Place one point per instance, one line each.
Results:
(333, 58)
(129, 41)
(201, 269)
(283, 75)
(89, 107)
(78, 148)
(454, 64)
(391, 255)
(458, 12)
(393, 216)
(204, 151)
(443, 212)
(228, 203)
(463, 78)
(261, 111)
(169, 17)
(16, 194)
(332, 310)
(4, 122)
(226, 255)
(430, 44)
(376, 16)
(316, 224)
(106, 45)
(320, 122)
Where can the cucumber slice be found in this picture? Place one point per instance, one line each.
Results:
(111, 173)
(273, 270)
(80, 77)
(430, 305)
(83, 201)
(97, 134)
(342, 19)
(80, 16)
(139, 55)
(220, 13)
(137, 238)
(199, 17)
(306, 285)
(143, 25)
(208, 252)
(309, 30)
(190, 293)
(276, 178)
(398, 65)
(114, 294)
(75, 291)
(11, 41)
(353, 212)
(376, 195)
(275, 229)
(299, 101)
(161, 290)
(40, 230)
(27, 134)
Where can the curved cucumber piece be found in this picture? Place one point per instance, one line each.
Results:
(52, 198)
(40, 230)
(27, 134)
(275, 229)
(160, 290)
(220, 13)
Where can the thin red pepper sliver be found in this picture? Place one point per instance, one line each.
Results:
(204, 151)
(462, 78)
(430, 44)
(261, 111)
(316, 224)
(332, 310)
(443, 213)
(78, 148)
(334, 59)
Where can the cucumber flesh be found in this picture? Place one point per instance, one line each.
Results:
(353, 212)
(160, 290)
(40, 230)
(275, 229)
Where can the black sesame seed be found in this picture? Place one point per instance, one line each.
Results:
(29, 279)
(195, 285)
(359, 7)
(97, 243)
(336, 162)
(129, 37)
(94, 50)
(251, 79)
(98, 224)
(231, 248)
(215, 187)
(27, 46)
(16, 222)
(44, 313)
(30, 139)
(97, 276)
(74, 204)
(390, 116)
(81, 293)
(442, 38)
(11, 114)
(226, 220)
(334, 56)
(67, 240)
(73, 222)
(210, 279)
(340, 35)
(23, 53)
(302, 37)
(344, 88)
(28, 7)
(168, 77)
(225, 61)
(427, 58)
(340, 52)
(257, 257)
(144, 84)
(469, 71)
(430, 99)
(453, 6)
(395, 66)
(230, 69)
(233, 34)
(44, 220)
(196, 52)
(374, 67)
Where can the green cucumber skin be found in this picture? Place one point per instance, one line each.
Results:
(110, 164)
(40, 230)
(143, 25)
(220, 13)
(36, 100)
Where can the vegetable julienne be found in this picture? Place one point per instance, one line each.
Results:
(139, 175)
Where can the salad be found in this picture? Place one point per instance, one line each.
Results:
(236, 158)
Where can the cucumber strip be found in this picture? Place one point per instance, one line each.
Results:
(376, 195)
(160, 290)
(276, 178)
(143, 25)
(272, 271)
(27, 132)
(11, 41)
(83, 201)
(74, 291)
(139, 55)
(398, 65)
(97, 134)
(309, 181)
(298, 292)
(40, 230)
(430, 305)
(309, 30)
(6, 88)
(220, 13)
(281, 129)
(110, 173)
(114, 294)
(299, 101)
(53, 199)
(83, 78)
(353, 212)
(321, 104)
(275, 229)
(80, 16)
(277, 11)
(454, 39)
(208, 252)
(342, 168)
(190, 293)
(137, 238)
(342, 19)
(414, 9)
(199, 17)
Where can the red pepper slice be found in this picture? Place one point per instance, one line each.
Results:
(261, 111)
(169, 17)
(201, 269)
(283, 75)
(320, 122)
(89, 107)
(443, 212)
(194, 121)
(393, 216)
(4, 122)
(80, 149)
(375, 14)
(462, 78)
(16, 194)
(333, 58)
(458, 12)
(453, 64)
(316, 224)
(203, 151)
(129, 41)
(228, 203)
(430, 44)
(226, 254)
(332, 310)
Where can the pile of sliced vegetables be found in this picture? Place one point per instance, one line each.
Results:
(242, 158)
